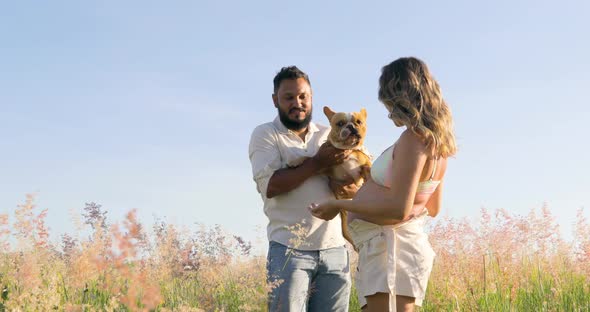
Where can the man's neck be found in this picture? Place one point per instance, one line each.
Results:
(302, 132)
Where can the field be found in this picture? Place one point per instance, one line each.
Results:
(502, 262)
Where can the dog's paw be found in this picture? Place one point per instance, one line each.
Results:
(366, 172)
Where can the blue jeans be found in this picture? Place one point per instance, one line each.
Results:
(303, 280)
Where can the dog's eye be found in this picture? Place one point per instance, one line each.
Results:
(359, 122)
(340, 123)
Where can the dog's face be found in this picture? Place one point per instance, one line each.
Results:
(348, 129)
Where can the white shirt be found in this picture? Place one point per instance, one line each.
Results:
(272, 147)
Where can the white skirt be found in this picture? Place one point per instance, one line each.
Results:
(395, 259)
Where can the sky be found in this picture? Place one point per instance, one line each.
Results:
(150, 105)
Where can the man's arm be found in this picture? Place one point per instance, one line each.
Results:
(287, 179)
(265, 158)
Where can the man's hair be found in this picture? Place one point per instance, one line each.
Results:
(290, 72)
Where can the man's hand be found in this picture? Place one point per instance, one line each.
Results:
(328, 156)
(343, 189)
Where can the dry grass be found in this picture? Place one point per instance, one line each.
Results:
(504, 263)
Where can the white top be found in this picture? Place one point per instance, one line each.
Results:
(272, 147)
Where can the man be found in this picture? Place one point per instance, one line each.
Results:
(308, 267)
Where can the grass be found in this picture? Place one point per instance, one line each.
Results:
(504, 262)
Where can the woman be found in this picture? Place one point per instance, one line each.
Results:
(386, 216)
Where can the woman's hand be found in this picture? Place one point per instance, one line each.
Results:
(326, 211)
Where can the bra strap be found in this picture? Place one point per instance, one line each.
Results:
(435, 161)
(434, 169)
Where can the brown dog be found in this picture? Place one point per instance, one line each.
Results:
(348, 132)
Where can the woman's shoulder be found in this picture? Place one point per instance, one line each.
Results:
(409, 139)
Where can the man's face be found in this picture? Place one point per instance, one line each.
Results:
(293, 101)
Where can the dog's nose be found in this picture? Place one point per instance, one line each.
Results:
(352, 129)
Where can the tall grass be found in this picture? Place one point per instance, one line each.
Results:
(503, 263)
(509, 263)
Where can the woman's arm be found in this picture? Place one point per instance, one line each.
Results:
(435, 201)
(398, 201)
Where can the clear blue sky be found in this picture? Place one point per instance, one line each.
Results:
(150, 105)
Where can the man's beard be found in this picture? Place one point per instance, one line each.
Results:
(294, 125)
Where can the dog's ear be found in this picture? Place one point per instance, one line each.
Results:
(329, 113)
(364, 112)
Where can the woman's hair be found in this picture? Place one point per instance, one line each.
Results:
(414, 98)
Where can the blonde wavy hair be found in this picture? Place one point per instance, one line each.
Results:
(414, 99)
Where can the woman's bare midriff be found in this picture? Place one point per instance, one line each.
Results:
(369, 190)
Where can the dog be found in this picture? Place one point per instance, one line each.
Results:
(348, 132)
